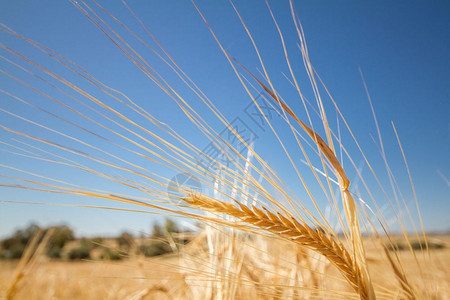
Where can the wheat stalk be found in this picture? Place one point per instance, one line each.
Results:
(289, 228)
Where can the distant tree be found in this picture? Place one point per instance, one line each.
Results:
(14, 246)
(90, 243)
(16, 251)
(81, 252)
(54, 252)
(21, 236)
(11, 241)
(157, 231)
(154, 248)
(61, 235)
(95, 242)
(171, 226)
(110, 254)
(125, 241)
(29, 232)
(159, 245)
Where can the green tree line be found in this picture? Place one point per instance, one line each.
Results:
(162, 240)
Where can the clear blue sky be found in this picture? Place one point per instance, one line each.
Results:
(402, 47)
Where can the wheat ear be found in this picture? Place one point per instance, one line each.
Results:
(289, 228)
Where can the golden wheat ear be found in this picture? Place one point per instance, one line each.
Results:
(289, 228)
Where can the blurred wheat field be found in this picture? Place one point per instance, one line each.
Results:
(144, 278)
(256, 155)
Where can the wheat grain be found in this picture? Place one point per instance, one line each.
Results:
(292, 230)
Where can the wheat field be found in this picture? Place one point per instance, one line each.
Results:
(286, 201)
(266, 273)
